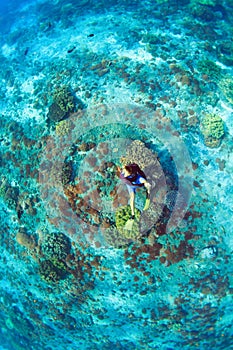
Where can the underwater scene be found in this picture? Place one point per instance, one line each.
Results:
(116, 156)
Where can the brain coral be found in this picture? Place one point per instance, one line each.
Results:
(212, 129)
(140, 154)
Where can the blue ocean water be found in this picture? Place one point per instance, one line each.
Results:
(87, 87)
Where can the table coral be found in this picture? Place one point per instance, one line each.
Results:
(212, 129)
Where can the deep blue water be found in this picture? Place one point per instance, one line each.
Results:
(87, 87)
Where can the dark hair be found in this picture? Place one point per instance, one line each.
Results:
(134, 169)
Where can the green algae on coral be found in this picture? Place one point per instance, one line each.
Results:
(212, 129)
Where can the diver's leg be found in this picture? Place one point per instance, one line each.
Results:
(132, 202)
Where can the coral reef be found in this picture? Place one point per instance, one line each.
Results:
(55, 246)
(170, 288)
(211, 69)
(52, 270)
(225, 52)
(9, 193)
(206, 2)
(62, 127)
(67, 173)
(64, 103)
(55, 113)
(212, 129)
(138, 153)
(26, 240)
(64, 98)
(226, 85)
(54, 249)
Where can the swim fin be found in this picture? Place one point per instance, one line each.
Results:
(147, 204)
(129, 224)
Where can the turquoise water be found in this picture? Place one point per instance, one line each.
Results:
(85, 87)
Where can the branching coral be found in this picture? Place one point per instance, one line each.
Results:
(212, 128)
(64, 98)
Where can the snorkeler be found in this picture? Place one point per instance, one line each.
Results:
(134, 177)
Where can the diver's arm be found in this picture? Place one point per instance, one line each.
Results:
(147, 186)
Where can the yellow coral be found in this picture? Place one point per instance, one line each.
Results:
(62, 128)
(212, 129)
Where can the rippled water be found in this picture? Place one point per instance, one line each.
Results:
(85, 88)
